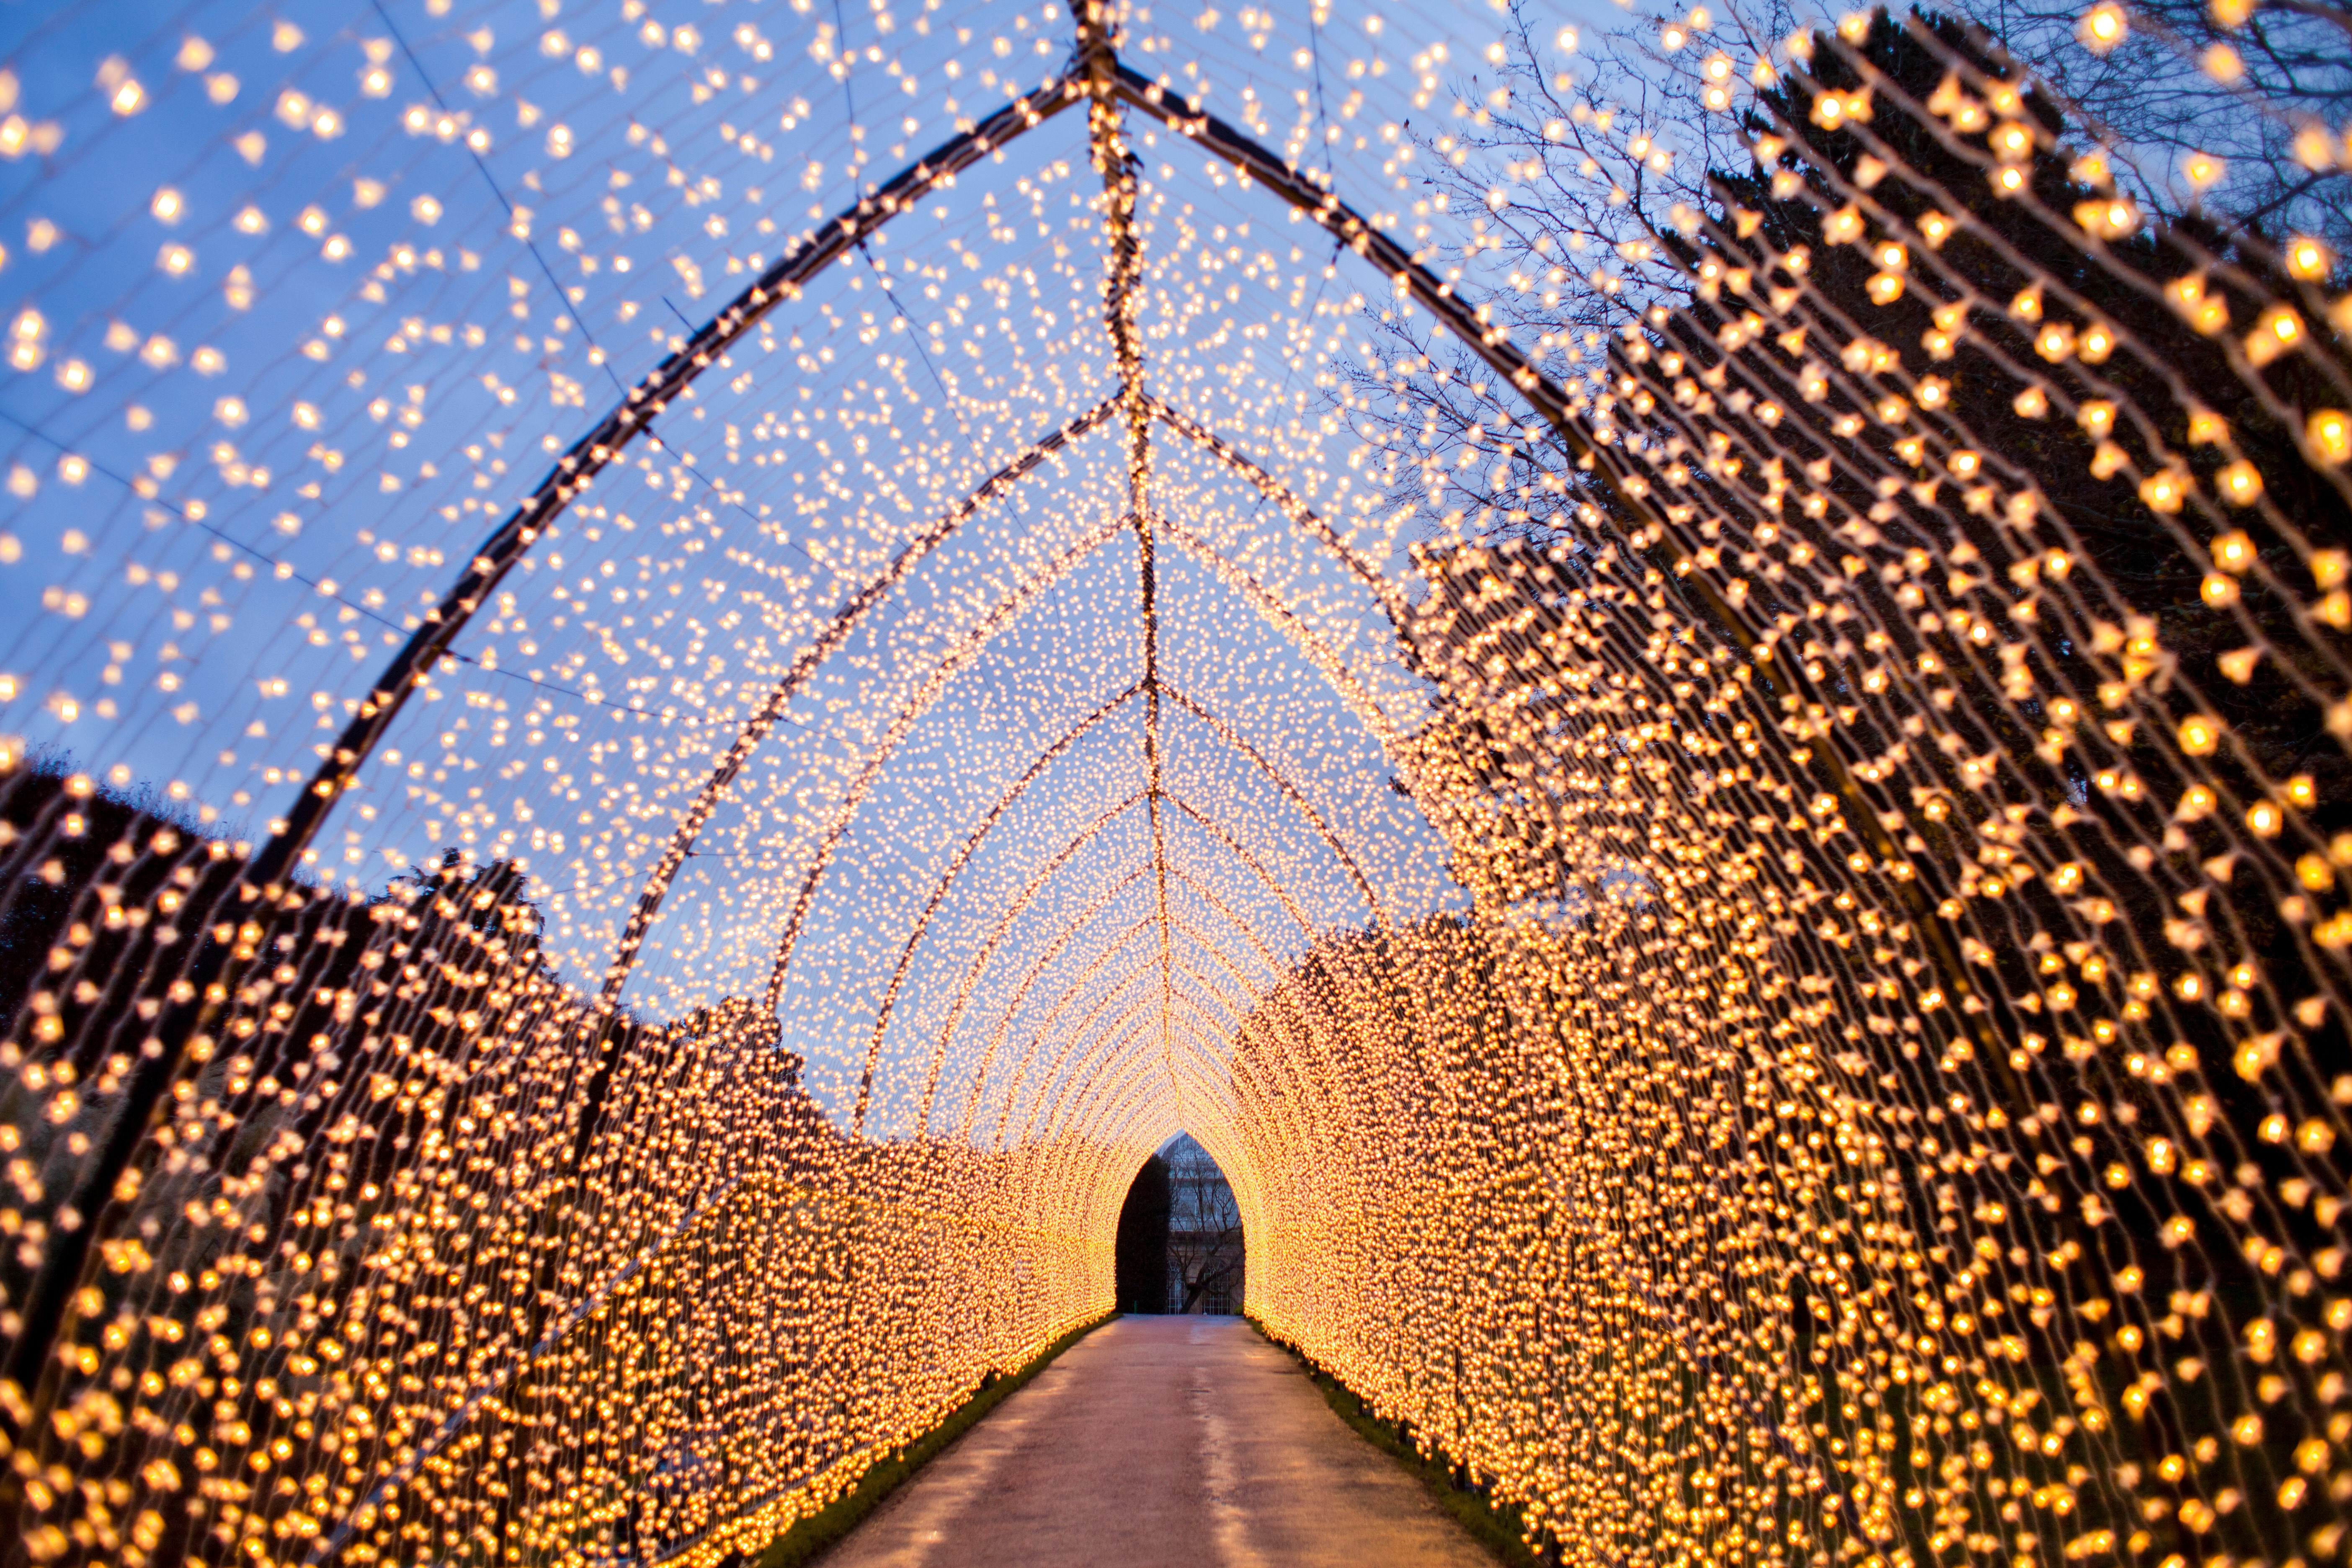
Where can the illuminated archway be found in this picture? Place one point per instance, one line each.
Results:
(1747, 906)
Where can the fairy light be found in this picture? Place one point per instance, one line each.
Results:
(2240, 483)
(2103, 27)
(2307, 258)
(2329, 431)
(1766, 860)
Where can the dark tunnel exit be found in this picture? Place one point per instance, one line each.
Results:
(1180, 1245)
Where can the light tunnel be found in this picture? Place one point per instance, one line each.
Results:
(676, 682)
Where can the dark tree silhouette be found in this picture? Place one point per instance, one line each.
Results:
(1204, 1234)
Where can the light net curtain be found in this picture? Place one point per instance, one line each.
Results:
(676, 674)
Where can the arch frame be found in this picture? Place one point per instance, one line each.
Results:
(48, 1308)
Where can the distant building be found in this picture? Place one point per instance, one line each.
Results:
(1206, 1257)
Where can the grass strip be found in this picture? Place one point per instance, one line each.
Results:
(810, 1536)
(1497, 1527)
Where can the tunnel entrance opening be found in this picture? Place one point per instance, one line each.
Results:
(1737, 843)
(1180, 1244)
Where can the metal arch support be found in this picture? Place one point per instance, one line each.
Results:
(1069, 934)
(1215, 952)
(1258, 163)
(1070, 1044)
(1053, 952)
(1135, 1083)
(884, 1012)
(1127, 1113)
(1214, 993)
(1043, 1110)
(1004, 1020)
(1149, 924)
(1392, 603)
(1181, 1001)
(1112, 1033)
(1096, 55)
(1222, 995)
(1037, 1036)
(979, 963)
(908, 716)
(1212, 1004)
(1158, 1007)
(826, 643)
(1210, 896)
(1209, 990)
(1122, 1045)
(1290, 905)
(980, 960)
(1232, 738)
(1208, 1084)
(971, 846)
(48, 1296)
(1318, 650)
(577, 468)
(1199, 938)
(1492, 343)
(909, 948)
(906, 952)
(1128, 1110)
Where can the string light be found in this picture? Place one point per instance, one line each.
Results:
(676, 684)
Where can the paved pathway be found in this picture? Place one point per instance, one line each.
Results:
(1163, 1443)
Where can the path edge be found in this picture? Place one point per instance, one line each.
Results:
(1500, 1528)
(809, 1537)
